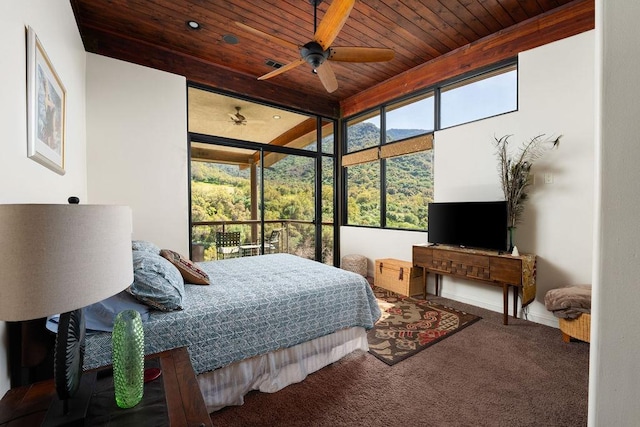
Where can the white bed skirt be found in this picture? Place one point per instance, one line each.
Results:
(273, 371)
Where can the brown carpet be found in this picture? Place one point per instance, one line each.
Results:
(520, 375)
(409, 325)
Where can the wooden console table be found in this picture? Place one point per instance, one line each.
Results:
(493, 268)
(27, 406)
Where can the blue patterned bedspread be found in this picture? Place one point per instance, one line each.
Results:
(254, 305)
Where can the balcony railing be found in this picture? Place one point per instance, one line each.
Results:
(295, 237)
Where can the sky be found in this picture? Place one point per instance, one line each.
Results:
(480, 99)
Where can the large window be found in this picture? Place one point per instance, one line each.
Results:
(388, 180)
(409, 118)
(409, 189)
(262, 171)
(363, 194)
(476, 98)
(388, 165)
(363, 132)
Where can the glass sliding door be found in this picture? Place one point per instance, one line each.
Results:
(221, 198)
(263, 172)
(288, 187)
(269, 199)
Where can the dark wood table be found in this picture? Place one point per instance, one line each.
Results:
(488, 267)
(27, 406)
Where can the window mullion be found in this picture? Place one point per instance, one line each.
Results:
(383, 174)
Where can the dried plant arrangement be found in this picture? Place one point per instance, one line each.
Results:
(515, 168)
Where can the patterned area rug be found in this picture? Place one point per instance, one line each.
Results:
(409, 325)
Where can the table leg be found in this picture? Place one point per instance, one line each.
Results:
(424, 281)
(505, 304)
(515, 302)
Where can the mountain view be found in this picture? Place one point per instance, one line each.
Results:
(221, 192)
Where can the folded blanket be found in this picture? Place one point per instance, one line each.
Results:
(569, 302)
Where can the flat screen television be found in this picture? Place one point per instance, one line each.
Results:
(481, 225)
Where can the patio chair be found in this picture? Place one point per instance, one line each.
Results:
(227, 244)
(272, 244)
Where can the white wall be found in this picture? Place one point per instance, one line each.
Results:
(614, 381)
(137, 147)
(22, 180)
(376, 244)
(556, 96)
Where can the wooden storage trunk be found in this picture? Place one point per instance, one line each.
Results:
(398, 276)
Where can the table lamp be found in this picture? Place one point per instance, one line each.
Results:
(58, 259)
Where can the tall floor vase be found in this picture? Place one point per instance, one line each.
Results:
(128, 358)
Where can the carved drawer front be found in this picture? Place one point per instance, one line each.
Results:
(461, 264)
(507, 270)
(422, 256)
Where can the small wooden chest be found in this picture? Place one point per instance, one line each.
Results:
(398, 276)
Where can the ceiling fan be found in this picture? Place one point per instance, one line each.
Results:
(237, 118)
(319, 51)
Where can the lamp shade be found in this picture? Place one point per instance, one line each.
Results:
(58, 258)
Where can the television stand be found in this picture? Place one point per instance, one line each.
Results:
(489, 267)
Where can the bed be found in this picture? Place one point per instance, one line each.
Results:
(263, 323)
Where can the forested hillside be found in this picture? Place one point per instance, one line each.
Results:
(222, 192)
(408, 179)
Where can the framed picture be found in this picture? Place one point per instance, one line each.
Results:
(46, 108)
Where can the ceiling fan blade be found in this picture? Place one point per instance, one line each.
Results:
(267, 36)
(360, 54)
(333, 21)
(289, 66)
(327, 77)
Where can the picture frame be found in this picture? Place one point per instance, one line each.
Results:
(46, 108)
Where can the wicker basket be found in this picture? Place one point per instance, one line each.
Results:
(355, 263)
(579, 328)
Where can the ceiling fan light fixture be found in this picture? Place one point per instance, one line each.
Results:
(237, 118)
(313, 53)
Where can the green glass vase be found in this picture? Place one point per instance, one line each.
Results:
(128, 358)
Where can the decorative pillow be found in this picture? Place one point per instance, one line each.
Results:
(190, 272)
(143, 245)
(156, 282)
(100, 316)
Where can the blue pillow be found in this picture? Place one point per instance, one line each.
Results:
(156, 282)
(100, 316)
(143, 245)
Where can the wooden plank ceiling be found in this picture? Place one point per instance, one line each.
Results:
(155, 33)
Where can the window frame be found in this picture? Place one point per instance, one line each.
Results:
(369, 152)
(325, 126)
(472, 78)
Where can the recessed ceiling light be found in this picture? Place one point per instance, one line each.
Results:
(194, 25)
(230, 39)
(277, 116)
